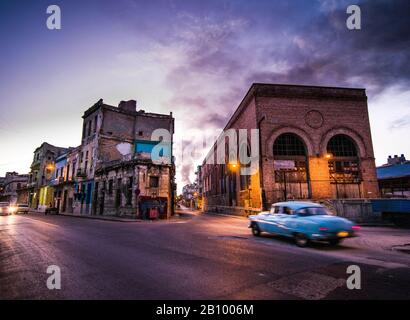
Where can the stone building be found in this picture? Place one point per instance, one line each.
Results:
(12, 185)
(2, 179)
(314, 143)
(115, 173)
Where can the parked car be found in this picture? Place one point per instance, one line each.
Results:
(303, 221)
(4, 208)
(22, 208)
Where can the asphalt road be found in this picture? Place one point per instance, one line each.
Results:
(194, 257)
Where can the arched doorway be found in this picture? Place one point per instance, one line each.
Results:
(291, 168)
(344, 167)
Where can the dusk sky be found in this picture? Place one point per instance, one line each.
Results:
(194, 58)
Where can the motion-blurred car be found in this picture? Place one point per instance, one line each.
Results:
(303, 221)
(4, 208)
(21, 208)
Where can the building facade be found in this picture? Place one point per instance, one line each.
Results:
(394, 177)
(113, 171)
(314, 143)
(40, 190)
(12, 187)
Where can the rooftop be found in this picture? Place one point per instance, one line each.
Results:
(393, 171)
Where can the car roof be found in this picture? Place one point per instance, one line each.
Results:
(295, 205)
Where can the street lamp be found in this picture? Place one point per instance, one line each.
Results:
(233, 166)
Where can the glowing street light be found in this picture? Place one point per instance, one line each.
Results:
(233, 166)
(328, 156)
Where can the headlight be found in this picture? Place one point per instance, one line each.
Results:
(12, 209)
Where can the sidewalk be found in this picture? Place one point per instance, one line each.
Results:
(110, 218)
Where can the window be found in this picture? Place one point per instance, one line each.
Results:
(89, 128)
(314, 211)
(344, 164)
(153, 182)
(341, 146)
(84, 129)
(95, 123)
(110, 183)
(129, 190)
(274, 209)
(288, 144)
(118, 193)
(140, 133)
(290, 162)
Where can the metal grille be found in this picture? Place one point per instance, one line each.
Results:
(288, 144)
(341, 146)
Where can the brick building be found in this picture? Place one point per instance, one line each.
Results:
(314, 143)
(13, 184)
(112, 169)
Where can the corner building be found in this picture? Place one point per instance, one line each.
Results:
(314, 143)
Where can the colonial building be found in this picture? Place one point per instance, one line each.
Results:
(314, 143)
(13, 184)
(115, 173)
(40, 193)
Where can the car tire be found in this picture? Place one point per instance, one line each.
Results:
(301, 240)
(255, 230)
(335, 242)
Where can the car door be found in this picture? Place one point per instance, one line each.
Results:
(282, 220)
(274, 220)
(262, 222)
(289, 223)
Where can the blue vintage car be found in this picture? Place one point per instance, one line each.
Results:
(303, 221)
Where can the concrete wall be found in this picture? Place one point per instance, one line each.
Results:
(357, 210)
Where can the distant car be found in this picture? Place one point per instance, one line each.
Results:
(4, 208)
(303, 221)
(22, 208)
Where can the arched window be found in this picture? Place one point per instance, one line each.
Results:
(341, 146)
(290, 159)
(343, 160)
(289, 144)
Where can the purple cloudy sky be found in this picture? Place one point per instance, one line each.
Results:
(195, 58)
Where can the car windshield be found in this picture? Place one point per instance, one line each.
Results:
(4, 204)
(313, 211)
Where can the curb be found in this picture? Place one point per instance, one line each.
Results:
(116, 219)
(225, 215)
(100, 218)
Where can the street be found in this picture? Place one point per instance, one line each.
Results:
(197, 256)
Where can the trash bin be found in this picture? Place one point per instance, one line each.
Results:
(153, 213)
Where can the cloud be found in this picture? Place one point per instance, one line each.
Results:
(401, 123)
(219, 56)
(326, 52)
